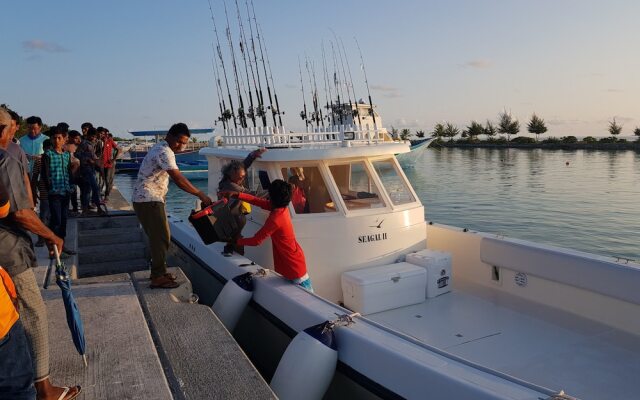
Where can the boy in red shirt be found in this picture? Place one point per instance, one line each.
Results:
(288, 257)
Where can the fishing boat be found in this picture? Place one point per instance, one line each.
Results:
(510, 319)
(189, 161)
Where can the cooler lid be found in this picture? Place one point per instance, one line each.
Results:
(384, 273)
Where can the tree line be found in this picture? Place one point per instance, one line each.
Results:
(507, 126)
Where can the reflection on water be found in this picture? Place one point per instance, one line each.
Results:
(591, 203)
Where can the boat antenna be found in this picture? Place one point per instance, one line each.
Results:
(303, 113)
(353, 90)
(223, 107)
(315, 96)
(224, 70)
(327, 86)
(344, 74)
(243, 45)
(275, 95)
(264, 65)
(336, 82)
(366, 81)
(241, 114)
(260, 111)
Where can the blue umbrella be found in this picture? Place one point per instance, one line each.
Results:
(71, 307)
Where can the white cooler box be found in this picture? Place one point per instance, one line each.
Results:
(376, 289)
(438, 266)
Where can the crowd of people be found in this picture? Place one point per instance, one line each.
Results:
(24, 327)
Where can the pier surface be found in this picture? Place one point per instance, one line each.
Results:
(141, 343)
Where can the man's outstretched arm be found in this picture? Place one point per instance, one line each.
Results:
(184, 184)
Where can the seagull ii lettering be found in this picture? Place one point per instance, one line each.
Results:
(372, 238)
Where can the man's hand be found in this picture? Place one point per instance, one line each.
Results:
(258, 153)
(54, 241)
(206, 200)
(227, 194)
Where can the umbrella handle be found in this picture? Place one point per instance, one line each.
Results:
(57, 254)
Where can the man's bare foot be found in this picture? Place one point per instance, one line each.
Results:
(46, 391)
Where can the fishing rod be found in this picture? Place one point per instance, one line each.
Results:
(327, 86)
(336, 82)
(224, 70)
(243, 41)
(243, 118)
(315, 103)
(366, 81)
(260, 112)
(353, 90)
(220, 97)
(303, 113)
(275, 95)
(344, 74)
(264, 65)
(315, 96)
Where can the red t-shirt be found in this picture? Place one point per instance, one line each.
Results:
(298, 200)
(288, 257)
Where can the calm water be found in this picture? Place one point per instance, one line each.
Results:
(592, 204)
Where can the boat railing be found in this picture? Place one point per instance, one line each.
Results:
(279, 137)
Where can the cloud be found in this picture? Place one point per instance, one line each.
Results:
(387, 91)
(41, 45)
(478, 64)
(401, 123)
(560, 121)
(612, 90)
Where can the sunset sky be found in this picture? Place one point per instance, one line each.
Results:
(145, 64)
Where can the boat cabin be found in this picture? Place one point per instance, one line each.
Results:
(352, 207)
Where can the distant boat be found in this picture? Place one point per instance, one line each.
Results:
(408, 160)
(137, 152)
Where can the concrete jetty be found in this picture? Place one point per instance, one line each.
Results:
(141, 343)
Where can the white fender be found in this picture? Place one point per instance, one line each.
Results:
(233, 299)
(307, 366)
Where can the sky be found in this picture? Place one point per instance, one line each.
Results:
(146, 64)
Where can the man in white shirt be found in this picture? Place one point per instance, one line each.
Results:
(149, 195)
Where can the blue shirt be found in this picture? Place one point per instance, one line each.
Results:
(32, 147)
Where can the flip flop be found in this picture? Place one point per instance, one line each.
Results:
(164, 284)
(64, 394)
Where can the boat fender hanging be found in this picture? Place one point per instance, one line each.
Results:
(307, 366)
(234, 297)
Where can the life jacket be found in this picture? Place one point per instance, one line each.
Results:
(8, 313)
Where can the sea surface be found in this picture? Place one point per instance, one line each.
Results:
(581, 199)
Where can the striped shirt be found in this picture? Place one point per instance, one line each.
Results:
(58, 165)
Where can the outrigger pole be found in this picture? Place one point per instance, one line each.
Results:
(261, 110)
(243, 43)
(224, 70)
(366, 81)
(303, 113)
(241, 114)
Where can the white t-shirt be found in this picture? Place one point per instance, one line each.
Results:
(153, 179)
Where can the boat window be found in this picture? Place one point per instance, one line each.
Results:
(393, 182)
(257, 179)
(356, 186)
(310, 194)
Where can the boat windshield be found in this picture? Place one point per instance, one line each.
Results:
(395, 185)
(356, 186)
(310, 194)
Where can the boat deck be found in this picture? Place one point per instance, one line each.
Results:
(537, 344)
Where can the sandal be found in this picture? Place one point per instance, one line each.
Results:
(64, 394)
(163, 282)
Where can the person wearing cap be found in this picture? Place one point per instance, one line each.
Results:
(16, 368)
(18, 258)
(32, 142)
(149, 193)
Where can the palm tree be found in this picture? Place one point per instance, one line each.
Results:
(536, 126)
(420, 134)
(451, 131)
(394, 132)
(614, 128)
(507, 125)
(637, 132)
(404, 134)
(438, 131)
(474, 130)
(489, 129)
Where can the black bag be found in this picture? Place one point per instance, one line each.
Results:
(215, 223)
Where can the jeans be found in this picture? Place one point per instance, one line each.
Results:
(59, 208)
(16, 368)
(44, 211)
(108, 179)
(73, 197)
(89, 188)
